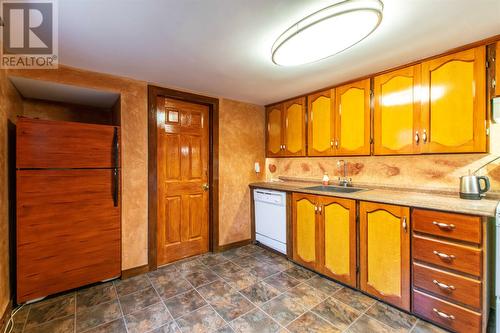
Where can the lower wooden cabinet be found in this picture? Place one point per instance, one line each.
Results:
(324, 235)
(385, 252)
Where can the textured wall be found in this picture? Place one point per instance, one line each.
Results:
(418, 171)
(133, 109)
(241, 144)
(10, 106)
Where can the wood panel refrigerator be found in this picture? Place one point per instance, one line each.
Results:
(68, 206)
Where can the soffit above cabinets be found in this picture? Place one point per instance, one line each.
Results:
(57, 92)
(223, 47)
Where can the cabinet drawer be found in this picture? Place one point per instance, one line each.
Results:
(456, 226)
(462, 258)
(448, 315)
(448, 285)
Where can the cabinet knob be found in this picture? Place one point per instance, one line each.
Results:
(444, 256)
(443, 286)
(443, 315)
(417, 137)
(424, 136)
(336, 143)
(405, 225)
(444, 226)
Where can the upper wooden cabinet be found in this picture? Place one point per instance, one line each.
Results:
(339, 121)
(453, 103)
(274, 130)
(294, 139)
(385, 252)
(286, 131)
(324, 235)
(321, 123)
(352, 118)
(396, 121)
(497, 70)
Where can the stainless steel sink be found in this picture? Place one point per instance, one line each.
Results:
(337, 189)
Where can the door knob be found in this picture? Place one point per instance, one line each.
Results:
(205, 187)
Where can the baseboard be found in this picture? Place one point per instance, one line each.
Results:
(5, 316)
(131, 272)
(234, 245)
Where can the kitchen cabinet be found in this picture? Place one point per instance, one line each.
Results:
(385, 252)
(274, 130)
(453, 103)
(497, 70)
(286, 132)
(321, 125)
(294, 139)
(324, 235)
(352, 118)
(396, 119)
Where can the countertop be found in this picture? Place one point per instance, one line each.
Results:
(450, 203)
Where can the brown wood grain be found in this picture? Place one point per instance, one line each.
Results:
(68, 231)
(467, 259)
(465, 321)
(59, 144)
(461, 289)
(183, 159)
(460, 227)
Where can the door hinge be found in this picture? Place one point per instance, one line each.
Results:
(371, 141)
(487, 64)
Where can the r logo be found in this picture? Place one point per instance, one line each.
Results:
(28, 27)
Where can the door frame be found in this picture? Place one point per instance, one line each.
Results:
(213, 177)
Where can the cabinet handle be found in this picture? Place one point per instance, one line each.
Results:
(320, 208)
(284, 147)
(424, 136)
(405, 225)
(444, 226)
(443, 286)
(336, 143)
(443, 315)
(417, 137)
(444, 256)
(316, 209)
(331, 143)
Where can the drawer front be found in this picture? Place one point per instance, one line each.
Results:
(462, 258)
(448, 315)
(448, 285)
(455, 226)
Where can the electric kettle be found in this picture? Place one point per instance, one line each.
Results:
(470, 186)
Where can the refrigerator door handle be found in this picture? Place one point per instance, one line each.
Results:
(116, 178)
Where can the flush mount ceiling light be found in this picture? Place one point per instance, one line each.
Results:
(327, 32)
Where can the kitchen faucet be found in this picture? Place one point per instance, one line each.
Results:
(344, 181)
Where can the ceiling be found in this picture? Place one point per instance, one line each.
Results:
(57, 92)
(222, 47)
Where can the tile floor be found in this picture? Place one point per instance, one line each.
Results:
(242, 290)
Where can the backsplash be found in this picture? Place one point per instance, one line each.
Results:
(432, 172)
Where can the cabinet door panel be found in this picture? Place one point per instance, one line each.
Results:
(295, 131)
(385, 252)
(353, 118)
(305, 231)
(321, 123)
(453, 102)
(274, 130)
(397, 111)
(339, 239)
(497, 70)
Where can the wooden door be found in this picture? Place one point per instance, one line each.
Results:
(453, 103)
(274, 133)
(396, 119)
(68, 230)
(352, 118)
(183, 195)
(385, 252)
(305, 229)
(338, 239)
(294, 143)
(321, 124)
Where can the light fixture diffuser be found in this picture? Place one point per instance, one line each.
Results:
(327, 32)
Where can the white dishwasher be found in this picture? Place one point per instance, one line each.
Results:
(270, 218)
